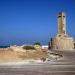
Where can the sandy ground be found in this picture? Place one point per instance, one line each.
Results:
(38, 69)
(64, 66)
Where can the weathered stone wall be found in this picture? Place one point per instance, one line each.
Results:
(63, 43)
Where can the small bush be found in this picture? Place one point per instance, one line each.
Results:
(28, 47)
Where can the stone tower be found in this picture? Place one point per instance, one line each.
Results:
(61, 23)
(62, 41)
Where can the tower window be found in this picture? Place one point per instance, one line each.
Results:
(59, 16)
(63, 16)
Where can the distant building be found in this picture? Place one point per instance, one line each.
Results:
(62, 41)
(45, 47)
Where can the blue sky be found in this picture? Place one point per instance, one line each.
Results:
(29, 21)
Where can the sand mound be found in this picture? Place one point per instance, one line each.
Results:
(10, 55)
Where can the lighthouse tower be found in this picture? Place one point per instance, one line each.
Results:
(62, 41)
(61, 23)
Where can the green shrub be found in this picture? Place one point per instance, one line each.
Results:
(28, 47)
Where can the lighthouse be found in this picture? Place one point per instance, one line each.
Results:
(61, 23)
(62, 41)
